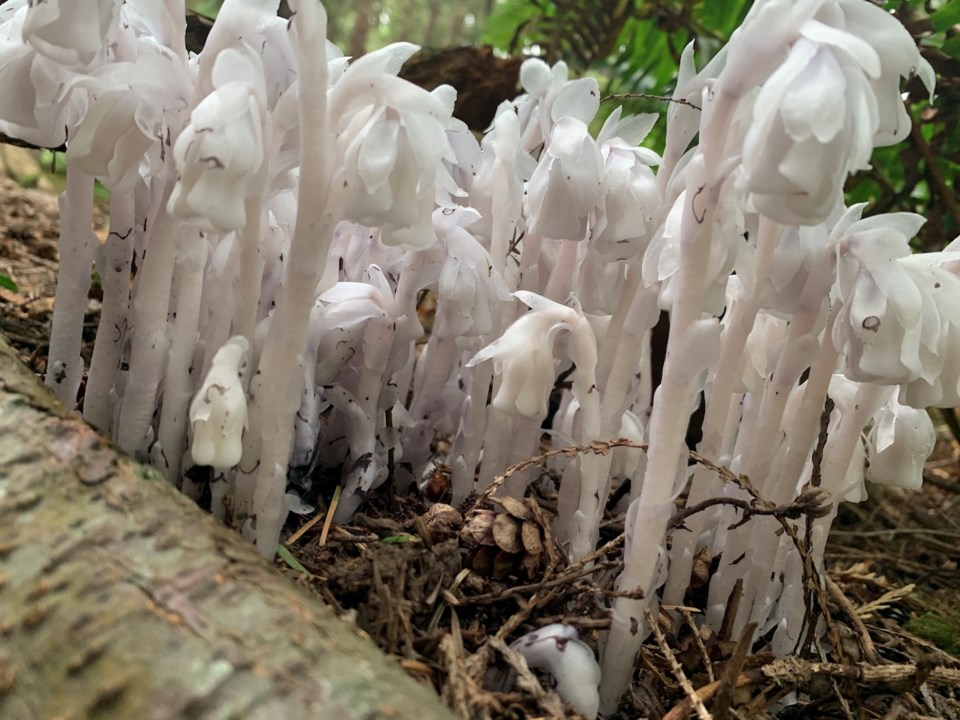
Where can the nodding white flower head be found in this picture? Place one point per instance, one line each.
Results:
(392, 137)
(898, 325)
(523, 355)
(898, 445)
(833, 98)
(36, 106)
(218, 412)
(117, 130)
(567, 184)
(469, 292)
(629, 204)
(558, 649)
(551, 95)
(71, 32)
(220, 153)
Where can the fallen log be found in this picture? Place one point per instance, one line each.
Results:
(119, 598)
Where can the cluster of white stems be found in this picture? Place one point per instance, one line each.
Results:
(285, 208)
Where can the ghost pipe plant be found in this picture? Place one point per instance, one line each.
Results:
(287, 209)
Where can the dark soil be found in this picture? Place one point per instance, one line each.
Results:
(448, 603)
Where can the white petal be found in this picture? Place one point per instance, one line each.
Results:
(535, 76)
(858, 49)
(378, 154)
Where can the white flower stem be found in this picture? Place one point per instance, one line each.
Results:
(178, 382)
(251, 271)
(433, 371)
(561, 277)
(594, 470)
(719, 398)
(280, 362)
(77, 243)
(668, 423)
(668, 426)
(112, 329)
(472, 429)
(802, 433)
(496, 444)
(150, 306)
(219, 298)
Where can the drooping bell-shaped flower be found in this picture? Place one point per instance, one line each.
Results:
(220, 152)
(468, 289)
(558, 649)
(567, 184)
(392, 137)
(890, 329)
(71, 32)
(818, 116)
(218, 412)
(937, 276)
(33, 105)
(523, 355)
(116, 131)
(898, 445)
(631, 197)
(550, 95)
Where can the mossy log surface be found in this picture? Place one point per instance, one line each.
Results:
(121, 599)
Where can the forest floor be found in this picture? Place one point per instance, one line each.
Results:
(447, 603)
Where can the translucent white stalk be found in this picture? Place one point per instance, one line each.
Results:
(280, 363)
(76, 246)
(719, 400)
(668, 425)
(471, 433)
(150, 344)
(181, 377)
(111, 331)
(251, 271)
(802, 432)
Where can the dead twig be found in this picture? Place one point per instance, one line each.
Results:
(794, 672)
(863, 635)
(731, 671)
(648, 96)
(695, 702)
(698, 640)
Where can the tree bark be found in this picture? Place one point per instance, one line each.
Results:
(119, 598)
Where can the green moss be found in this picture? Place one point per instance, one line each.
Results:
(941, 629)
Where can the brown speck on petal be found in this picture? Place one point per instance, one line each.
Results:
(871, 323)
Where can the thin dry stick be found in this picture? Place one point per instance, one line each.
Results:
(647, 96)
(866, 642)
(678, 673)
(329, 520)
(682, 709)
(494, 597)
(731, 672)
(526, 680)
(794, 672)
(302, 530)
(698, 639)
(944, 193)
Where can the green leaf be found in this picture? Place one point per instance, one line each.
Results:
(404, 538)
(946, 17)
(290, 560)
(952, 47)
(210, 8)
(501, 26)
(7, 283)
